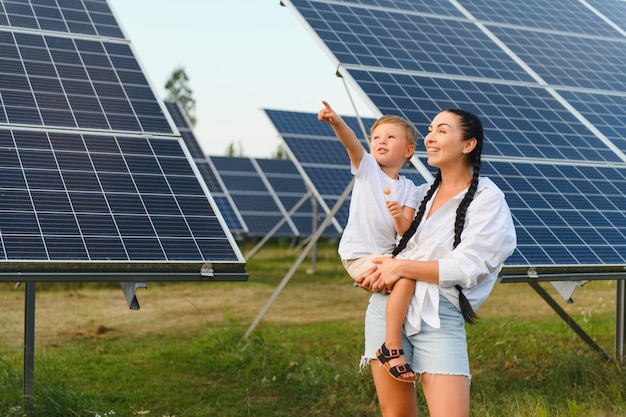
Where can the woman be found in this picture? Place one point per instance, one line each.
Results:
(460, 237)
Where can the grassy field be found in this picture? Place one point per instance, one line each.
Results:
(182, 354)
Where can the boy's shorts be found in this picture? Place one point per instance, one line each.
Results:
(359, 266)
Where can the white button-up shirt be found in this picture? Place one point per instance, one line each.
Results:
(487, 240)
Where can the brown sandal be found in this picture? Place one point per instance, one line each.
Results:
(384, 355)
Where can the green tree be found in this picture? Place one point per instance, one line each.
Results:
(281, 153)
(177, 87)
(233, 150)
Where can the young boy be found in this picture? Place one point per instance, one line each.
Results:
(382, 207)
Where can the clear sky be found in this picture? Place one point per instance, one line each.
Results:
(241, 56)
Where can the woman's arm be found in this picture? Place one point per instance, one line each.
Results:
(387, 271)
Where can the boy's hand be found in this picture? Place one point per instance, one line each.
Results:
(327, 114)
(395, 209)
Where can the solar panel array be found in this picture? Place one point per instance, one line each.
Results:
(321, 158)
(547, 78)
(265, 192)
(93, 176)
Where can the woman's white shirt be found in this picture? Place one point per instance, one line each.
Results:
(487, 240)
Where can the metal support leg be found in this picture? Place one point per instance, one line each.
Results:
(568, 320)
(620, 322)
(29, 344)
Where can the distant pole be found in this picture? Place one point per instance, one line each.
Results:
(29, 344)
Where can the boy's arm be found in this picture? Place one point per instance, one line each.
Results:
(402, 216)
(346, 135)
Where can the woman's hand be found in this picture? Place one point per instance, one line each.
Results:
(376, 279)
(365, 281)
(388, 273)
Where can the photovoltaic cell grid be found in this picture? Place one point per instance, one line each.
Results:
(565, 215)
(321, 158)
(615, 9)
(520, 121)
(92, 176)
(85, 17)
(53, 81)
(550, 93)
(221, 197)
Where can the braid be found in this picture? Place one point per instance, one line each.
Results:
(418, 216)
(467, 311)
(462, 209)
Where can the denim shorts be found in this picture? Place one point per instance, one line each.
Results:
(440, 351)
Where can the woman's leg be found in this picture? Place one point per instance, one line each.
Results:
(447, 395)
(396, 398)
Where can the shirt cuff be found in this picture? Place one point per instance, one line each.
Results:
(449, 273)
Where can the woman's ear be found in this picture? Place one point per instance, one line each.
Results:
(469, 145)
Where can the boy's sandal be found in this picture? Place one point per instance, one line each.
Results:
(384, 355)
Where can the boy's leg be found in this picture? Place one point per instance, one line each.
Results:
(397, 306)
(360, 266)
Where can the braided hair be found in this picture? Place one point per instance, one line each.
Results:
(472, 128)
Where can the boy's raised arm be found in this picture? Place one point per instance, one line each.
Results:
(346, 135)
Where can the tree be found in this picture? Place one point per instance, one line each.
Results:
(281, 153)
(234, 151)
(177, 87)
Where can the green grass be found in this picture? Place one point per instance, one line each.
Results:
(183, 353)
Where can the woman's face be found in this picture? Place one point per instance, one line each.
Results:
(444, 142)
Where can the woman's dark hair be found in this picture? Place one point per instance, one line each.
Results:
(472, 128)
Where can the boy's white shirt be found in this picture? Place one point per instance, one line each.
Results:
(487, 240)
(370, 228)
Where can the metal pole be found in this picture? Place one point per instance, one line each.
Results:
(300, 259)
(29, 344)
(313, 230)
(568, 320)
(620, 322)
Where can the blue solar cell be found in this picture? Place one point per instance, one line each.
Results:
(574, 211)
(468, 50)
(543, 129)
(615, 11)
(566, 60)
(574, 17)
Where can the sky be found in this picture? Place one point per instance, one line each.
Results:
(241, 57)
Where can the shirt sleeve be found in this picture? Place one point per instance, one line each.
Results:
(487, 240)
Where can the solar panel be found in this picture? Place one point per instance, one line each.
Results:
(321, 158)
(266, 191)
(222, 198)
(550, 93)
(95, 181)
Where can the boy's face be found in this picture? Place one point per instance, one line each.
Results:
(389, 146)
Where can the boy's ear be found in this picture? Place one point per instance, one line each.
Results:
(410, 150)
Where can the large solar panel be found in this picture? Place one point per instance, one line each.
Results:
(550, 92)
(95, 181)
(322, 159)
(222, 198)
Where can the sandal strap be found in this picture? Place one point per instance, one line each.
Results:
(398, 370)
(384, 354)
